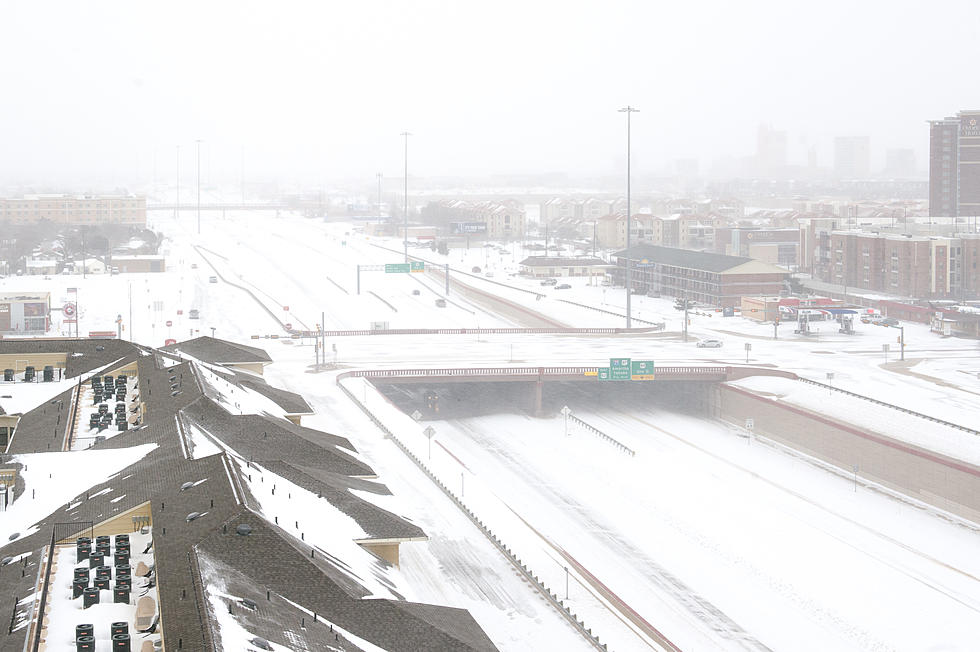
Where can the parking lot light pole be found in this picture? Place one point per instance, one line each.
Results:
(198, 186)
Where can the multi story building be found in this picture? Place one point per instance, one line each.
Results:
(954, 165)
(709, 278)
(494, 220)
(852, 157)
(74, 210)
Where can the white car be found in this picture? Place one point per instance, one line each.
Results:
(710, 344)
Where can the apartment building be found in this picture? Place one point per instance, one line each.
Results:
(74, 209)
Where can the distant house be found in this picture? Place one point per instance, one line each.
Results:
(548, 266)
(142, 263)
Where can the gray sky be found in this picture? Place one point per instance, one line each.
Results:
(321, 90)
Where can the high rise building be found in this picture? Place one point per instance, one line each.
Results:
(900, 163)
(954, 165)
(770, 151)
(852, 157)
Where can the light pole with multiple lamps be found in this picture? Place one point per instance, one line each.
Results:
(198, 186)
(405, 239)
(629, 290)
(177, 205)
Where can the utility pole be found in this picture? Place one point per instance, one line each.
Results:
(628, 110)
(405, 239)
(243, 176)
(198, 186)
(379, 195)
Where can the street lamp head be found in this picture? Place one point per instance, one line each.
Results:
(629, 109)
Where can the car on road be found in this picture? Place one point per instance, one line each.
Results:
(440, 303)
(710, 344)
(889, 321)
(563, 286)
(476, 270)
(415, 293)
(193, 265)
(213, 279)
(549, 281)
(194, 314)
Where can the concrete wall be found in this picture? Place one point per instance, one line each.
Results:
(933, 478)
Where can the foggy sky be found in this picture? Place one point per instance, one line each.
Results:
(321, 90)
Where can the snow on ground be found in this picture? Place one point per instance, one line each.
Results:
(52, 479)
(730, 537)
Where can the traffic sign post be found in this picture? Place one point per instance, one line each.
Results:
(602, 374)
(417, 266)
(565, 411)
(748, 347)
(397, 268)
(641, 370)
(429, 432)
(619, 368)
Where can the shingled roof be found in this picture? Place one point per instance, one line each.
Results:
(173, 484)
(215, 351)
(686, 258)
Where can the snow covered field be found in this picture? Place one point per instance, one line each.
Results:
(719, 542)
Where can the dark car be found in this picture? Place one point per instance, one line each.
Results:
(889, 321)
(549, 281)
(563, 286)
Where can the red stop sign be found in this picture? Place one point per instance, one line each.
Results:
(286, 308)
(169, 323)
(289, 327)
(180, 312)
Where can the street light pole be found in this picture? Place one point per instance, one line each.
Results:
(405, 239)
(379, 195)
(629, 318)
(198, 186)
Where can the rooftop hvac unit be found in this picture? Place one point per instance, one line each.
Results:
(244, 529)
(120, 627)
(95, 560)
(28, 374)
(82, 551)
(90, 596)
(81, 573)
(185, 486)
(122, 537)
(85, 629)
(101, 583)
(78, 585)
(8, 375)
(193, 516)
(120, 643)
(248, 604)
(48, 374)
(103, 571)
(120, 595)
(85, 644)
(120, 558)
(261, 643)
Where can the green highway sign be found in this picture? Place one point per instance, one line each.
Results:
(417, 266)
(397, 268)
(641, 370)
(603, 374)
(619, 368)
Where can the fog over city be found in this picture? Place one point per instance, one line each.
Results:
(538, 325)
(101, 93)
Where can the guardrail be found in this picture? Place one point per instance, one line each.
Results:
(39, 623)
(75, 407)
(615, 442)
(892, 406)
(528, 574)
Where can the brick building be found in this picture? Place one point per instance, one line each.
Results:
(69, 209)
(504, 220)
(954, 165)
(919, 266)
(708, 278)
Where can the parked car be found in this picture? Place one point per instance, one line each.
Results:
(889, 321)
(194, 314)
(213, 279)
(476, 270)
(710, 344)
(549, 281)
(440, 303)
(563, 286)
(193, 265)
(416, 293)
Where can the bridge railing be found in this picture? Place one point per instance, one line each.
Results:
(531, 372)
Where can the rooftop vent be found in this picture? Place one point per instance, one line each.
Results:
(243, 529)
(192, 516)
(6, 560)
(248, 604)
(261, 643)
(186, 486)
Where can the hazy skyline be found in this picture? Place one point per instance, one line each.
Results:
(322, 90)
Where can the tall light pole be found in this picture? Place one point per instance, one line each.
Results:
(405, 239)
(379, 195)
(177, 205)
(198, 186)
(629, 290)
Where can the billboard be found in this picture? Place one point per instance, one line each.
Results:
(466, 228)
(35, 310)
